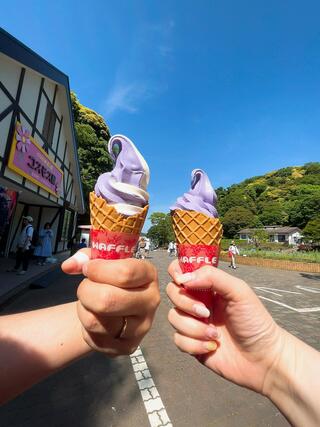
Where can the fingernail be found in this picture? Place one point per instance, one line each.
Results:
(212, 332)
(211, 345)
(81, 258)
(186, 277)
(201, 310)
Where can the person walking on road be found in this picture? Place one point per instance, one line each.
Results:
(24, 246)
(141, 248)
(171, 248)
(147, 248)
(233, 251)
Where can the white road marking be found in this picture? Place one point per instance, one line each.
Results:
(298, 310)
(308, 310)
(155, 409)
(266, 289)
(312, 290)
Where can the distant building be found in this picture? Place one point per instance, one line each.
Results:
(277, 234)
(39, 166)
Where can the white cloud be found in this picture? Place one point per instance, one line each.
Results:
(142, 73)
(126, 97)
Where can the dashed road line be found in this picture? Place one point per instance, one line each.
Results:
(154, 406)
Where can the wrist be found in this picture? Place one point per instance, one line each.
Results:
(278, 376)
(292, 382)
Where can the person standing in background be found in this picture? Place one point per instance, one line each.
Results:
(83, 243)
(232, 252)
(44, 249)
(24, 246)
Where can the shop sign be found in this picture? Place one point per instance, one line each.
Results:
(30, 160)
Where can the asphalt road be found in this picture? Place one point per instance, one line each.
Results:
(175, 389)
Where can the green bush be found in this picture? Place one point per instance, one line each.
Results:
(313, 257)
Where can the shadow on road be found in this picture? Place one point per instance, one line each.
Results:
(310, 276)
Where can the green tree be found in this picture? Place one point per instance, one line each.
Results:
(85, 115)
(235, 197)
(312, 229)
(161, 230)
(303, 209)
(237, 218)
(312, 168)
(92, 135)
(259, 236)
(93, 157)
(273, 213)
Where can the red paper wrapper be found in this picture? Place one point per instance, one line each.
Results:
(192, 257)
(112, 245)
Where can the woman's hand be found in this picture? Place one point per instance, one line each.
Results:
(117, 301)
(246, 340)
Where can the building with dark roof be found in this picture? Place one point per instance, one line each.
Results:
(39, 166)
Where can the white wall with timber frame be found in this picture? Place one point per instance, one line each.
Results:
(27, 96)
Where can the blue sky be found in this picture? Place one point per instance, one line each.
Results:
(232, 87)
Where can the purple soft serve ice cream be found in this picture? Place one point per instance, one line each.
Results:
(125, 186)
(200, 198)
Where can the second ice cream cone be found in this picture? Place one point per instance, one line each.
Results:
(198, 237)
(198, 231)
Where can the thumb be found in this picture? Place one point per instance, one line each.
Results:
(74, 264)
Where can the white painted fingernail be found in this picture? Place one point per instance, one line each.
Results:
(186, 277)
(81, 258)
(212, 333)
(201, 310)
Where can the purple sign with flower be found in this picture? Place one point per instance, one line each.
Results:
(28, 159)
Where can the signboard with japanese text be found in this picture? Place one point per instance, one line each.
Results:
(30, 160)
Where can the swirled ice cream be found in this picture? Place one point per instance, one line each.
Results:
(125, 186)
(200, 198)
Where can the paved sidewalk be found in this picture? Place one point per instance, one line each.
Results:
(11, 284)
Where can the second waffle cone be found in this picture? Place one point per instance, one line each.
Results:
(195, 228)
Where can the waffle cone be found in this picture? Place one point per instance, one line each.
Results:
(195, 228)
(105, 217)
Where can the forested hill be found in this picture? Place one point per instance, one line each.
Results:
(288, 196)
